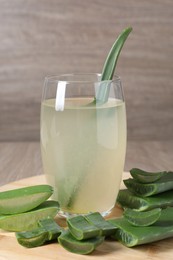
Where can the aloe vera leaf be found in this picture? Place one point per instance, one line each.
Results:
(127, 199)
(52, 228)
(143, 219)
(73, 245)
(109, 68)
(112, 58)
(97, 220)
(131, 236)
(48, 230)
(110, 65)
(34, 238)
(23, 199)
(102, 94)
(146, 177)
(81, 229)
(165, 183)
(28, 220)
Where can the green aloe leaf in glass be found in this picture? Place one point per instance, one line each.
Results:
(102, 94)
(112, 58)
(110, 65)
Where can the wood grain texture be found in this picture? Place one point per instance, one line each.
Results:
(40, 38)
(10, 249)
(20, 160)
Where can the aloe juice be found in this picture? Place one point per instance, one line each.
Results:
(83, 152)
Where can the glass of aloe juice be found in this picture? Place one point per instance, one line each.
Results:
(83, 141)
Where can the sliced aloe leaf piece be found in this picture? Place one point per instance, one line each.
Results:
(97, 220)
(144, 176)
(165, 183)
(81, 229)
(131, 236)
(23, 199)
(52, 228)
(34, 238)
(142, 219)
(79, 247)
(129, 200)
(28, 220)
(48, 230)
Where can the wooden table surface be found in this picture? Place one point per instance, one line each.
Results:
(10, 249)
(20, 160)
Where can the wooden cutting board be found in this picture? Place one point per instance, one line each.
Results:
(11, 250)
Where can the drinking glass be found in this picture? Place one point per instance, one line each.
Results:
(83, 141)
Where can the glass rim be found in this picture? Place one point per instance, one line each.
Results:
(57, 78)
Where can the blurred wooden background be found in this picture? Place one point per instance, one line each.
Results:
(40, 38)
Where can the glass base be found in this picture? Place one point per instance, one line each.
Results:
(65, 215)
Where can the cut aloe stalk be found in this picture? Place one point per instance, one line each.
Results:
(128, 200)
(142, 219)
(97, 220)
(112, 58)
(32, 238)
(165, 183)
(80, 228)
(28, 220)
(145, 177)
(52, 228)
(131, 236)
(79, 247)
(24, 199)
(109, 67)
(48, 230)
(102, 94)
